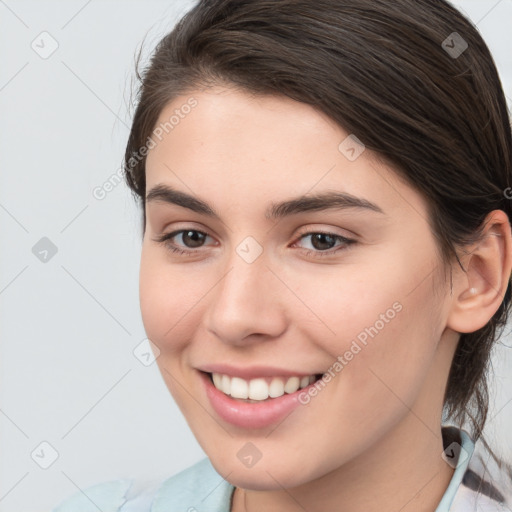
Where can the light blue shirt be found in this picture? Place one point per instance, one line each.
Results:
(199, 488)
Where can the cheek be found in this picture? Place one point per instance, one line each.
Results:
(384, 327)
(169, 301)
(169, 308)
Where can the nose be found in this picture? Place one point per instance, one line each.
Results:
(247, 305)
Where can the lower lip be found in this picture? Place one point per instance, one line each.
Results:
(251, 415)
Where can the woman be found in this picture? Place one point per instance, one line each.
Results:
(326, 255)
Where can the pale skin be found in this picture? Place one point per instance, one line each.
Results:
(371, 440)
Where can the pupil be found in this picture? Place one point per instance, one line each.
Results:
(318, 237)
(195, 235)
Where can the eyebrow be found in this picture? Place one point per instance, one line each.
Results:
(317, 202)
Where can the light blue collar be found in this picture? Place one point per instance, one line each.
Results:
(468, 446)
(198, 488)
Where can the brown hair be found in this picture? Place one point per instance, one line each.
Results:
(392, 73)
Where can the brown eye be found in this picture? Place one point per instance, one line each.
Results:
(191, 239)
(322, 243)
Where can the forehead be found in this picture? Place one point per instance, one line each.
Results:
(226, 118)
(224, 141)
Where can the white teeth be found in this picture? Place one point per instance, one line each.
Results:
(225, 384)
(292, 384)
(239, 388)
(259, 389)
(276, 388)
(217, 380)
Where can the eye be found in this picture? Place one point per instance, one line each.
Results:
(189, 236)
(320, 239)
(193, 239)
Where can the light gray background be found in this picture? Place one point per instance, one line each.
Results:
(69, 325)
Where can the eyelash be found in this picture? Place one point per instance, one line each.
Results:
(165, 239)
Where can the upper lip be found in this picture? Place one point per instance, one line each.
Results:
(252, 372)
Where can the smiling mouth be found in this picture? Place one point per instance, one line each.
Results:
(260, 389)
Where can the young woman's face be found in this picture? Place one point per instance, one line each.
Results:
(266, 293)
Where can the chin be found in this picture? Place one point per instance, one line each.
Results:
(269, 475)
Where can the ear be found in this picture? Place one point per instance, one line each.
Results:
(478, 292)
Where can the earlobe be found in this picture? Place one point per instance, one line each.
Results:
(479, 291)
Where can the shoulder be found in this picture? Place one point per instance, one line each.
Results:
(198, 486)
(107, 496)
